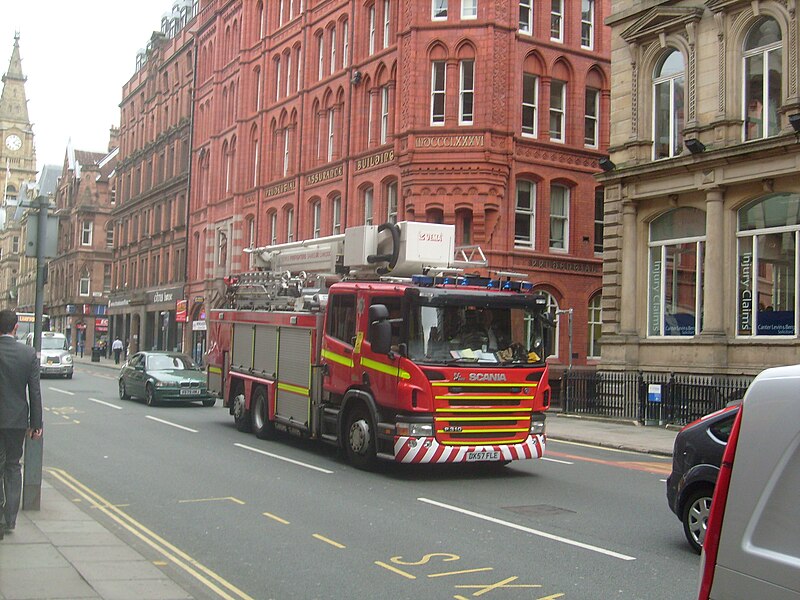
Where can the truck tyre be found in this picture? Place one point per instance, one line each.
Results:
(259, 411)
(241, 416)
(359, 439)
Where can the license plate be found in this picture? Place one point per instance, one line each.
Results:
(481, 456)
(190, 392)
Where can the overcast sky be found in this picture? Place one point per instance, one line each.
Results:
(77, 56)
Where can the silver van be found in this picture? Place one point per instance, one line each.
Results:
(752, 544)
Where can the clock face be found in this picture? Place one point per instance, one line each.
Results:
(13, 142)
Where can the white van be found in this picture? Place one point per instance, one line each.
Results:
(752, 544)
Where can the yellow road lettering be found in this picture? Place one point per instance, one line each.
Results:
(394, 569)
(464, 572)
(445, 556)
(275, 518)
(504, 584)
(322, 538)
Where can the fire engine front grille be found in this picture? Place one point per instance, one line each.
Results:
(481, 414)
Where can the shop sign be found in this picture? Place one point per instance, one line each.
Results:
(72, 309)
(745, 325)
(101, 324)
(170, 295)
(325, 175)
(181, 314)
(654, 327)
(374, 160)
(199, 326)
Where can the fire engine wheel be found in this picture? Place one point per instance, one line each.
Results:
(261, 425)
(241, 416)
(360, 438)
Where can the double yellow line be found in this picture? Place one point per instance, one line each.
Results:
(201, 573)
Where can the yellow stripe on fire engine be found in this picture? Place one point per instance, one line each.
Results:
(368, 363)
(294, 389)
(337, 358)
(509, 418)
(482, 442)
(483, 384)
(484, 410)
(504, 430)
(485, 397)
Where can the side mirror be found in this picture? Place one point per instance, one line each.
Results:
(380, 329)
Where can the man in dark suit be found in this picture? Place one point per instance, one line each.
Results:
(20, 414)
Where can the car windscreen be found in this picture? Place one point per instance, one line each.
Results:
(169, 363)
(52, 343)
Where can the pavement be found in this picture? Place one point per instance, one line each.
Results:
(62, 551)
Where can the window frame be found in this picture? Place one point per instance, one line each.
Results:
(440, 13)
(557, 18)
(560, 112)
(466, 95)
(473, 12)
(527, 6)
(529, 212)
(87, 233)
(440, 94)
(591, 120)
(561, 218)
(534, 107)
(675, 129)
(587, 24)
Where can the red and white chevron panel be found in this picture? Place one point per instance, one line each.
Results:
(428, 450)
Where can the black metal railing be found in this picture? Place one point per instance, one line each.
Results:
(649, 398)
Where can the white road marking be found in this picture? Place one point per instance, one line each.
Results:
(537, 532)
(105, 403)
(62, 391)
(171, 424)
(596, 447)
(555, 460)
(283, 458)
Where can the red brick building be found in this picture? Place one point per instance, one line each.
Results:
(314, 116)
(79, 278)
(153, 183)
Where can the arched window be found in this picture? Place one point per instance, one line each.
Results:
(85, 284)
(675, 282)
(316, 219)
(552, 310)
(336, 215)
(595, 326)
(525, 214)
(668, 84)
(767, 232)
(762, 94)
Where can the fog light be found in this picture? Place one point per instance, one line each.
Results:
(415, 429)
(537, 427)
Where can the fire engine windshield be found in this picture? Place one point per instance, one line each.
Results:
(485, 332)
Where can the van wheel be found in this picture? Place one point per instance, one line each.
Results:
(261, 425)
(241, 416)
(695, 517)
(359, 440)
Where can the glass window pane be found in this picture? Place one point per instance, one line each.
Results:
(679, 223)
(776, 284)
(744, 316)
(765, 32)
(654, 292)
(680, 289)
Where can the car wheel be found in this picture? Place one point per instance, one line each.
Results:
(68, 375)
(149, 395)
(259, 411)
(359, 442)
(695, 517)
(123, 391)
(241, 416)
(208, 403)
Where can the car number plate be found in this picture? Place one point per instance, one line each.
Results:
(190, 392)
(483, 455)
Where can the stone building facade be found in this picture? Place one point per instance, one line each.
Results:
(17, 172)
(702, 207)
(153, 182)
(79, 278)
(492, 116)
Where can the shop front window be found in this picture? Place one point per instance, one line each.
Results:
(767, 266)
(675, 281)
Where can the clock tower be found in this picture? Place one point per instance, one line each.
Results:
(17, 152)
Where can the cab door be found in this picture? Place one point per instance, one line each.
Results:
(339, 341)
(381, 371)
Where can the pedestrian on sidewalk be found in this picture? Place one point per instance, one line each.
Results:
(20, 414)
(81, 344)
(116, 347)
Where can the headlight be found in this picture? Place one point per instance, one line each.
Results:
(68, 358)
(537, 427)
(415, 429)
(161, 384)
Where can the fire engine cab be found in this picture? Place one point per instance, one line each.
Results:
(377, 341)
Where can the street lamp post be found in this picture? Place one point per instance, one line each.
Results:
(34, 449)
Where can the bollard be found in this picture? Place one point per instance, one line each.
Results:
(32, 474)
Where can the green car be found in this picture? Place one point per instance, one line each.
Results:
(160, 376)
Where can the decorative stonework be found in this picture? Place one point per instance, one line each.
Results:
(499, 81)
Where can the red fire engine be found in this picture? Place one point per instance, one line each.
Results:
(376, 341)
